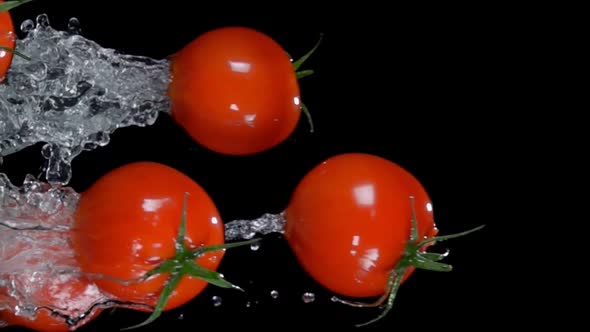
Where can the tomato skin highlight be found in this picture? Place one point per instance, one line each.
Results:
(127, 222)
(235, 91)
(7, 39)
(349, 220)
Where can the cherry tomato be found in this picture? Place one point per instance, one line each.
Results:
(68, 295)
(349, 222)
(235, 91)
(127, 222)
(7, 39)
(45, 320)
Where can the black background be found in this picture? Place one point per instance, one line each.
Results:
(417, 86)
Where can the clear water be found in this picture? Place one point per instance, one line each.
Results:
(73, 93)
(70, 96)
(35, 253)
(36, 259)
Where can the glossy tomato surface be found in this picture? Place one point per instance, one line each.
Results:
(44, 321)
(7, 39)
(349, 219)
(127, 222)
(70, 297)
(234, 90)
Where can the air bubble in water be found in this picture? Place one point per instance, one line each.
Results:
(308, 297)
(216, 301)
(274, 294)
(27, 26)
(255, 246)
(74, 26)
(73, 93)
(43, 20)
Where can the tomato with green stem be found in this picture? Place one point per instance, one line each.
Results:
(235, 91)
(148, 234)
(360, 225)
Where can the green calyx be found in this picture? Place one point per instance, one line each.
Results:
(304, 73)
(182, 265)
(8, 5)
(414, 256)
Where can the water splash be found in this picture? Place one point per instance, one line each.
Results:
(217, 301)
(308, 297)
(73, 93)
(247, 229)
(37, 263)
(274, 294)
(255, 246)
(36, 254)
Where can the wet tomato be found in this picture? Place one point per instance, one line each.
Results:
(348, 222)
(127, 224)
(44, 321)
(47, 301)
(7, 40)
(52, 320)
(360, 225)
(235, 91)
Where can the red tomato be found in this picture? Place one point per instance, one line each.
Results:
(349, 221)
(44, 321)
(7, 39)
(59, 294)
(127, 223)
(235, 91)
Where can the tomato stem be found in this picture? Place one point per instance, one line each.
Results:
(304, 73)
(299, 62)
(15, 52)
(395, 284)
(414, 256)
(183, 264)
(308, 116)
(8, 5)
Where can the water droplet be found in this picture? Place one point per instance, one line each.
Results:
(308, 297)
(180, 316)
(43, 20)
(74, 26)
(255, 246)
(274, 294)
(27, 26)
(216, 301)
